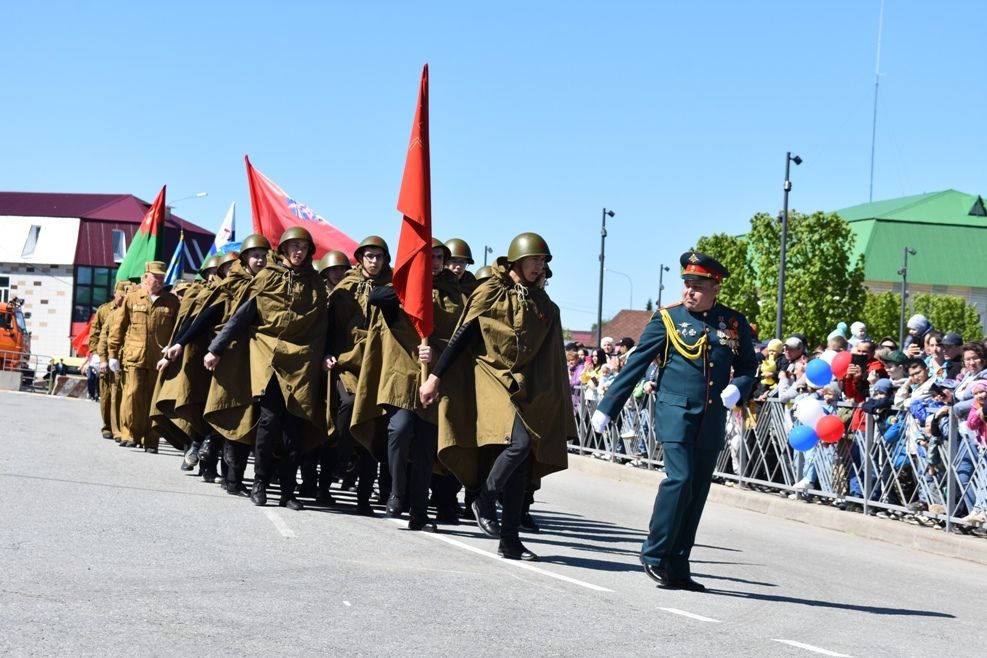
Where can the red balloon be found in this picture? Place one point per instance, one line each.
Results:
(840, 364)
(830, 429)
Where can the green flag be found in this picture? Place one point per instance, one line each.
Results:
(144, 246)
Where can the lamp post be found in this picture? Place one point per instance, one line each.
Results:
(630, 281)
(169, 206)
(789, 159)
(486, 250)
(599, 305)
(904, 294)
(661, 285)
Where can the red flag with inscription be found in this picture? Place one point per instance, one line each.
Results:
(413, 264)
(274, 211)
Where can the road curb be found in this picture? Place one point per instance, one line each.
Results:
(927, 540)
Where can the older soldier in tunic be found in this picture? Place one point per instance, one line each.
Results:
(100, 324)
(111, 383)
(136, 340)
(707, 366)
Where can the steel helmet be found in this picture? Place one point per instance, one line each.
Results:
(296, 233)
(484, 273)
(372, 241)
(528, 244)
(334, 258)
(438, 244)
(254, 241)
(459, 249)
(210, 263)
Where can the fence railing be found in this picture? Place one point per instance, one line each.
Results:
(877, 469)
(33, 369)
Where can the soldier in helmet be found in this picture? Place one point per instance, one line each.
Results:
(516, 366)
(333, 267)
(707, 366)
(348, 325)
(388, 387)
(136, 340)
(110, 384)
(460, 256)
(284, 311)
(483, 274)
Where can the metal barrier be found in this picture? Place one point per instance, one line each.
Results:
(32, 368)
(912, 476)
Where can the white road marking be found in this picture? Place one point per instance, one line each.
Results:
(690, 615)
(279, 523)
(809, 647)
(513, 563)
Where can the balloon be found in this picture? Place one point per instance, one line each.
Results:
(830, 429)
(818, 372)
(827, 356)
(840, 364)
(802, 438)
(809, 411)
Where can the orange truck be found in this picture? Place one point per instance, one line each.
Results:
(15, 339)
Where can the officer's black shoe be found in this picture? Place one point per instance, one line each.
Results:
(236, 489)
(323, 497)
(291, 503)
(656, 574)
(364, 509)
(513, 549)
(528, 524)
(488, 524)
(153, 451)
(107, 435)
(186, 467)
(421, 523)
(209, 474)
(687, 584)
(258, 495)
(394, 507)
(125, 444)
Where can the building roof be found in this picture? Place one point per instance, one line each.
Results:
(948, 229)
(99, 207)
(627, 323)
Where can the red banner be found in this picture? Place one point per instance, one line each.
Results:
(413, 264)
(274, 211)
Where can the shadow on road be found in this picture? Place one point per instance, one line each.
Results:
(874, 610)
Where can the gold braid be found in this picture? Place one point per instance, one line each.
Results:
(690, 352)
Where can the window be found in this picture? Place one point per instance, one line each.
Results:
(119, 245)
(4, 288)
(32, 241)
(93, 287)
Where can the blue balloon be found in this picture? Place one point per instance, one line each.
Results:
(803, 438)
(818, 372)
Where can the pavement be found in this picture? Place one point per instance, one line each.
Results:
(112, 551)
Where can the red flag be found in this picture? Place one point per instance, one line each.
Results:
(80, 343)
(413, 264)
(274, 211)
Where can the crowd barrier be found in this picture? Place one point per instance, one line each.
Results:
(892, 473)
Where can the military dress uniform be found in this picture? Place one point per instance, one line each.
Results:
(697, 352)
(139, 334)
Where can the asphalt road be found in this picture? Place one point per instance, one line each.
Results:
(110, 551)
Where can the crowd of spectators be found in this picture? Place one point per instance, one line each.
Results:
(911, 391)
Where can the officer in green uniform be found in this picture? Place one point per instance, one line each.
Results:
(707, 366)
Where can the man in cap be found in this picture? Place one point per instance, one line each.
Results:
(952, 352)
(109, 382)
(136, 341)
(707, 367)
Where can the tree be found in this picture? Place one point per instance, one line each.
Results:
(822, 286)
(649, 306)
(882, 314)
(738, 291)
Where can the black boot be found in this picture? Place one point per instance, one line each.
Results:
(259, 494)
(511, 548)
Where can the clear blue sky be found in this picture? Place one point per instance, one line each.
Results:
(677, 115)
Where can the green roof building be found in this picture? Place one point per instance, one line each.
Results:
(948, 229)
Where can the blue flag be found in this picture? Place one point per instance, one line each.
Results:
(175, 268)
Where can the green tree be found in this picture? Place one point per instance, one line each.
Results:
(738, 291)
(649, 306)
(948, 313)
(822, 285)
(882, 312)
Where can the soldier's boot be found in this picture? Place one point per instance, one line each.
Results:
(258, 495)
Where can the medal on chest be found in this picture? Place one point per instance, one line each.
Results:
(728, 333)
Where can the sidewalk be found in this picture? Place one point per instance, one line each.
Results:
(936, 542)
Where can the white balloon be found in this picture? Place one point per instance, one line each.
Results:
(808, 411)
(828, 356)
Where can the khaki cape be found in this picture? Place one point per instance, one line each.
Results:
(391, 371)
(516, 369)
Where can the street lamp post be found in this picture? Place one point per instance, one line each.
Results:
(599, 305)
(904, 294)
(486, 250)
(630, 281)
(169, 206)
(661, 285)
(779, 313)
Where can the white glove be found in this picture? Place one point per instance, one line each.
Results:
(730, 396)
(114, 365)
(599, 421)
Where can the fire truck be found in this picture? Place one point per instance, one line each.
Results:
(15, 339)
